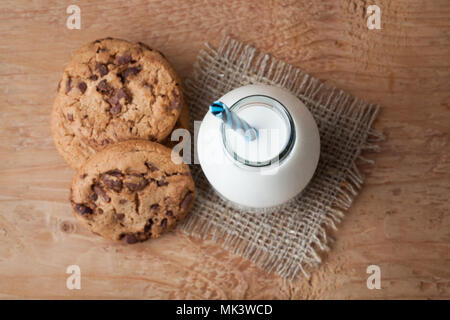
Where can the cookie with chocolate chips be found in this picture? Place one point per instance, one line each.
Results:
(111, 91)
(132, 191)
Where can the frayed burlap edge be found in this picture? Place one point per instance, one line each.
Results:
(288, 241)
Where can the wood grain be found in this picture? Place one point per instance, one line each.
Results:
(400, 221)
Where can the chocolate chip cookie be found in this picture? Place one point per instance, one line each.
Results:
(132, 191)
(111, 91)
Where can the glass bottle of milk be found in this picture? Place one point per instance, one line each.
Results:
(269, 171)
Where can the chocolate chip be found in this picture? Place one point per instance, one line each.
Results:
(121, 93)
(135, 174)
(169, 213)
(104, 87)
(101, 193)
(176, 102)
(164, 223)
(122, 201)
(150, 166)
(94, 77)
(136, 186)
(131, 238)
(154, 206)
(112, 183)
(115, 108)
(130, 71)
(186, 201)
(70, 117)
(82, 86)
(100, 210)
(114, 101)
(82, 209)
(137, 203)
(126, 58)
(102, 69)
(68, 84)
(120, 216)
(115, 173)
(115, 185)
(148, 225)
(135, 181)
(161, 183)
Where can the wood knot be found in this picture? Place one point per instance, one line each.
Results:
(67, 227)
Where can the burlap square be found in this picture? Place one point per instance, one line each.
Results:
(284, 242)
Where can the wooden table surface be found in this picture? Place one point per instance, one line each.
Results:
(400, 221)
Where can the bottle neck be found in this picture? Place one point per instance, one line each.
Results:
(276, 132)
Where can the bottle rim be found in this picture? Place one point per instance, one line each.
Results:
(276, 106)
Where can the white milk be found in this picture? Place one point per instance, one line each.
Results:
(273, 133)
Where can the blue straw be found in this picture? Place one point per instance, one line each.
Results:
(232, 120)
